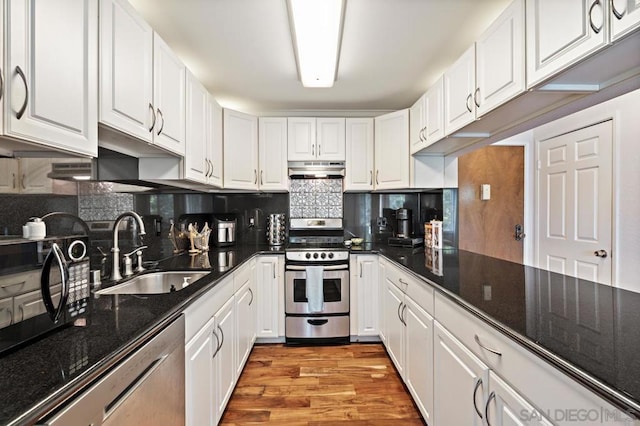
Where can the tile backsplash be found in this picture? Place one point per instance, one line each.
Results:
(321, 198)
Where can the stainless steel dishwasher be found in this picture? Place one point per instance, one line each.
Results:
(146, 388)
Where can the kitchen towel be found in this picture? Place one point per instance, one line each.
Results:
(315, 294)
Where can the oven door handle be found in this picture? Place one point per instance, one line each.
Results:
(326, 268)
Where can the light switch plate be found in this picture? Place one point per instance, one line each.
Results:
(485, 192)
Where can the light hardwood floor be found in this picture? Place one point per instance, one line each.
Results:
(319, 386)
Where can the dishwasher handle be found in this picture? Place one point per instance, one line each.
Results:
(131, 388)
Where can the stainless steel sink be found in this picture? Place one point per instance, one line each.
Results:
(155, 283)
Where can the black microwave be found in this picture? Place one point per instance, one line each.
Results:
(44, 285)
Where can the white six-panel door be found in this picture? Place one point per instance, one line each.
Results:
(574, 199)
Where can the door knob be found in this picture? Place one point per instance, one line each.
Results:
(600, 253)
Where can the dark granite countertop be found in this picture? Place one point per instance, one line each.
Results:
(591, 331)
(41, 374)
(588, 330)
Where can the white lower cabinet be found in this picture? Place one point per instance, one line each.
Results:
(460, 382)
(364, 295)
(245, 317)
(224, 374)
(199, 380)
(393, 300)
(507, 407)
(270, 296)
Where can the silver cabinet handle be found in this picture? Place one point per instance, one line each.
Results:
(251, 292)
(161, 125)
(468, 103)
(475, 97)
(600, 253)
(14, 180)
(400, 308)
(213, 332)
(274, 270)
(255, 176)
(370, 177)
(377, 175)
(319, 148)
(402, 282)
(313, 149)
(23, 108)
(206, 163)
(593, 27)
(475, 391)
(404, 309)
(221, 338)
(261, 177)
(153, 112)
(493, 351)
(617, 14)
(23, 180)
(211, 172)
(492, 395)
(1, 85)
(361, 270)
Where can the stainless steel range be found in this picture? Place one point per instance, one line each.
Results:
(316, 283)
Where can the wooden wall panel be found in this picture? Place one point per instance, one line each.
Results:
(487, 227)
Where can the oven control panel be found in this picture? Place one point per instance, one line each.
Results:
(317, 256)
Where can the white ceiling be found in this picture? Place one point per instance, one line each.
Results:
(392, 50)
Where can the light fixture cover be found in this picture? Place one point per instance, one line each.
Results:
(317, 30)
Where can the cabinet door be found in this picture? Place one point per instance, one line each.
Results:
(246, 322)
(168, 97)
(269, 295)
(382, 292)
(9, 178)
(560, 33)
(459, 88)
(33, 176)
(500, 60)
(301, 144)
(392, 150)
(394, 328)
(434, 112)
(416, 125)
(199, 377)
(214, 149)
(196, 167)
(272, 147)
(240, 150)
(126, 70)
(461, 380)
(330, 139)
(359, 154)
(55, 105)
(367, 295)
(419, 357)
(224, 361)
(624, 18)
(507, 407)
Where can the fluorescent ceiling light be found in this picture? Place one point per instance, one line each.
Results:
(316, 27)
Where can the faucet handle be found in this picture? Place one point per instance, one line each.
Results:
(136, 250)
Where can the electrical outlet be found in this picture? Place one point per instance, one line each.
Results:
(382, 222)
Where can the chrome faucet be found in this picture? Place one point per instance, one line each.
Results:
(115, 269)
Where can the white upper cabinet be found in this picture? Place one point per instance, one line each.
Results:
(302, 138)
(196, 166)
(392, 150)
(500, 68)
(240, 150)
(272, 149)
(54, 105)
(330, 139)
(560, 33)
(126, 70)
(214, 157)
(416, 125)
(359, 155)
(168, 97)
(312, 139)
(433, 113)
(624, 17)
(142, 82)
(459, 88)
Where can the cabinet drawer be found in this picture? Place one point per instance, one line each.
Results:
(416, 289)
(200, 311)
(523, 370)
(16, 284)
(243, 275)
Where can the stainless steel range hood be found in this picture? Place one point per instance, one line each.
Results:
(111, 166)
(316, 169)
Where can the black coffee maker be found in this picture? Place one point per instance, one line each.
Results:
(404, 230)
